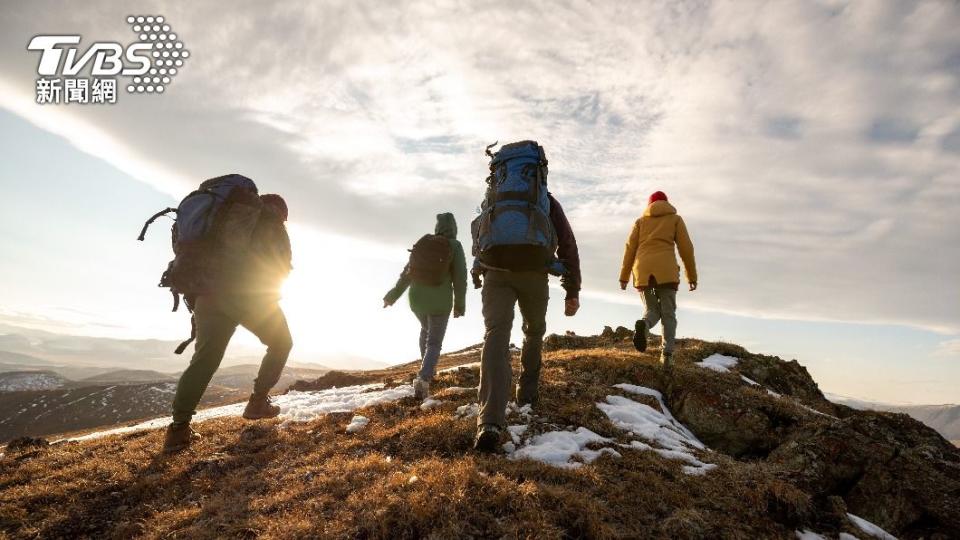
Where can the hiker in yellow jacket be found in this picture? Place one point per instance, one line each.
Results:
(649, 256)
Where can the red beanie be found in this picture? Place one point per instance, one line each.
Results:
(657, 196)
(276, 203)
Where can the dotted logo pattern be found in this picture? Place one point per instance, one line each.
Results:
(168, 54)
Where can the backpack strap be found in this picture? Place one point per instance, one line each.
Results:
(193, 335)
(143, 231)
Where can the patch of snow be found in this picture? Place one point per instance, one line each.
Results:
(749, 381)
(808, 535)
(718, 362)
(870, 528)
(559, 448)
(357, 423)
(18, 382)
(847, 536)
(465, 352)
(458, 368)
(673, 439)
(470, 410)
(457, 390)
(430, 403)
(294, 406)
(517, 431)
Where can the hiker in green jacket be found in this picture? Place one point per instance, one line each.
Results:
(437, 278)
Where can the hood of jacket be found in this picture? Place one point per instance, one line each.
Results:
(659, 208)
(446, 225)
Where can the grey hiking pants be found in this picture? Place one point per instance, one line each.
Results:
(501, 291)
(217, 319)
(432, 330)
(661, 305)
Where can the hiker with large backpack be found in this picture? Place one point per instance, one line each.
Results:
(231, 255)
(437, 277)
(649, 257)
(520, 236)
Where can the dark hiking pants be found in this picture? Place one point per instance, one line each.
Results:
(501, 291)
(217, 318)
(432, 330)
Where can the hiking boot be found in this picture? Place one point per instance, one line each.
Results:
(421, 389)
(178, 437)
(640, 335)
(260, 407)
(488, 438)
(527, 398)
(666, 360)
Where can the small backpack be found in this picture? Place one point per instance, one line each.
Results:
(430, 260)
(514, 220)
(210, 236)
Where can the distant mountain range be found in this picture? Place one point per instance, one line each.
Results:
(943, 418)
(81, 357)
(44, 402)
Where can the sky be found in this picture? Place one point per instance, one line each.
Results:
(813, 149)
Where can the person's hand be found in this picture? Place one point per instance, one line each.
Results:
(693, 286)
(386, 303)
(623, 285)
(571, 306)
(457, 313)
(477, 283)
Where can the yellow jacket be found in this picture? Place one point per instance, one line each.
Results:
(649, 250)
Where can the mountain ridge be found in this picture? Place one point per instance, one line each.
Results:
(777, 460)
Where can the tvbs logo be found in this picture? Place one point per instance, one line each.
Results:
(107, 57)
(150, 63)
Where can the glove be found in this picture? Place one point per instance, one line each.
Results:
(477, 283)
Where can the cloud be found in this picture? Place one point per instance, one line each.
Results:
(948, 349)
(810, 146)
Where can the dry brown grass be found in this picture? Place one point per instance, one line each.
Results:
(409, 474)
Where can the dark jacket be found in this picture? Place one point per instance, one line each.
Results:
(567, 250)
(437, 299)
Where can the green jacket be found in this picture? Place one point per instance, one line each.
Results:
(437, 299)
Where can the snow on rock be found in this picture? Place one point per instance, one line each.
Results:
(672, 439)
(718, 362)
(430, 403)
(559, 448)
(869, 528)
(808, 535)
(357, 423)
(470, 410)
(457, 390)
(458, 368)
(294, 406)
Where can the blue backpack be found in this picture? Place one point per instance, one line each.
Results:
(514, 230)
(210, 235)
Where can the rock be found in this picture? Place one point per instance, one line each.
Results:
(889, 468)
(25, 443)
(331, 379)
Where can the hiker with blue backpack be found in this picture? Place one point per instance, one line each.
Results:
(436, 275)
(520, 236)
(649, 255)
(232, 254)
